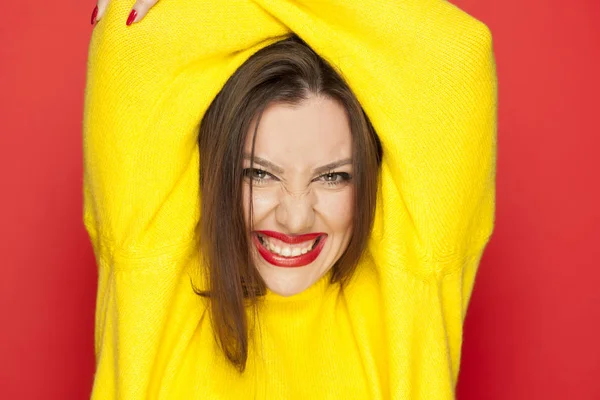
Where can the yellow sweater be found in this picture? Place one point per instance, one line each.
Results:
(423, 70)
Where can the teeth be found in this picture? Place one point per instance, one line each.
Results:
(286, 250)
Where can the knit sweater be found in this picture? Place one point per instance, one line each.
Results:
(424, 72)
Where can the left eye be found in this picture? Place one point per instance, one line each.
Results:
(331, 177)
(335, 177)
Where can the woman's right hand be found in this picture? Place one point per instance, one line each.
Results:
(138, 11)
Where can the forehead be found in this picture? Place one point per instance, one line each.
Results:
(302, 136)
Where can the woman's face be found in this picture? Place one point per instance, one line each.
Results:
(302, 192)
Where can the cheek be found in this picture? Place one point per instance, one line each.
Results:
(246, 203)
(337, 208)
(263, 202)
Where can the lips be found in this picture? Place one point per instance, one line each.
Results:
(288, 251)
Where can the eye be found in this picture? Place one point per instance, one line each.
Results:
(335, 178)
(257, 175)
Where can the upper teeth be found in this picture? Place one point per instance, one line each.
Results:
(286, 249)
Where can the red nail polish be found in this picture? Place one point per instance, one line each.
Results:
(94, 15)
(131, 17)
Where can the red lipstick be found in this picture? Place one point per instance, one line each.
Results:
(290, 262)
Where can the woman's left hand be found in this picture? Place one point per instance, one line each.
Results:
(138, 11)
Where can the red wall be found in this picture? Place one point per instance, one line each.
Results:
(533, 326)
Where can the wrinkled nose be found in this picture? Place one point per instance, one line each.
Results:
(295, 212)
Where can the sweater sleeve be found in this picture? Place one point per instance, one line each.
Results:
(147, 89)
(424, 72)
(148, 86)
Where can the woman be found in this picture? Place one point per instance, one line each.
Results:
(329, 254)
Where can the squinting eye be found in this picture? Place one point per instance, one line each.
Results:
(335, 178)
(256, 174)
(331, 177)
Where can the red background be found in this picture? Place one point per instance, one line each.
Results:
(533, 328)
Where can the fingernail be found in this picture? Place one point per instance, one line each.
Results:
(94, 15)
(131, 17)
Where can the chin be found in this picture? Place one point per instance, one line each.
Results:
(289, 281)
(286, 291)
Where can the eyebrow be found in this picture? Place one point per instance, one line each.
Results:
(264, 163)
(278, 170)
(331, 166)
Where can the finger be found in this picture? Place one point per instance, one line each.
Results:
(99, 10)
(139, 10)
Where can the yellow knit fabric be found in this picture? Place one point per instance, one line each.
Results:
(424, 72)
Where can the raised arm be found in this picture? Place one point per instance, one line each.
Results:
(424, 72)
(147, 88)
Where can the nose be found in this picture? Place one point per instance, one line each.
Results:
(295, 211)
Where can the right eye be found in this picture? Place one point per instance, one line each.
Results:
(257, 175)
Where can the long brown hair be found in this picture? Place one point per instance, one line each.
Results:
(288, 71)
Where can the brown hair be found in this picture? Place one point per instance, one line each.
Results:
(288, 71)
